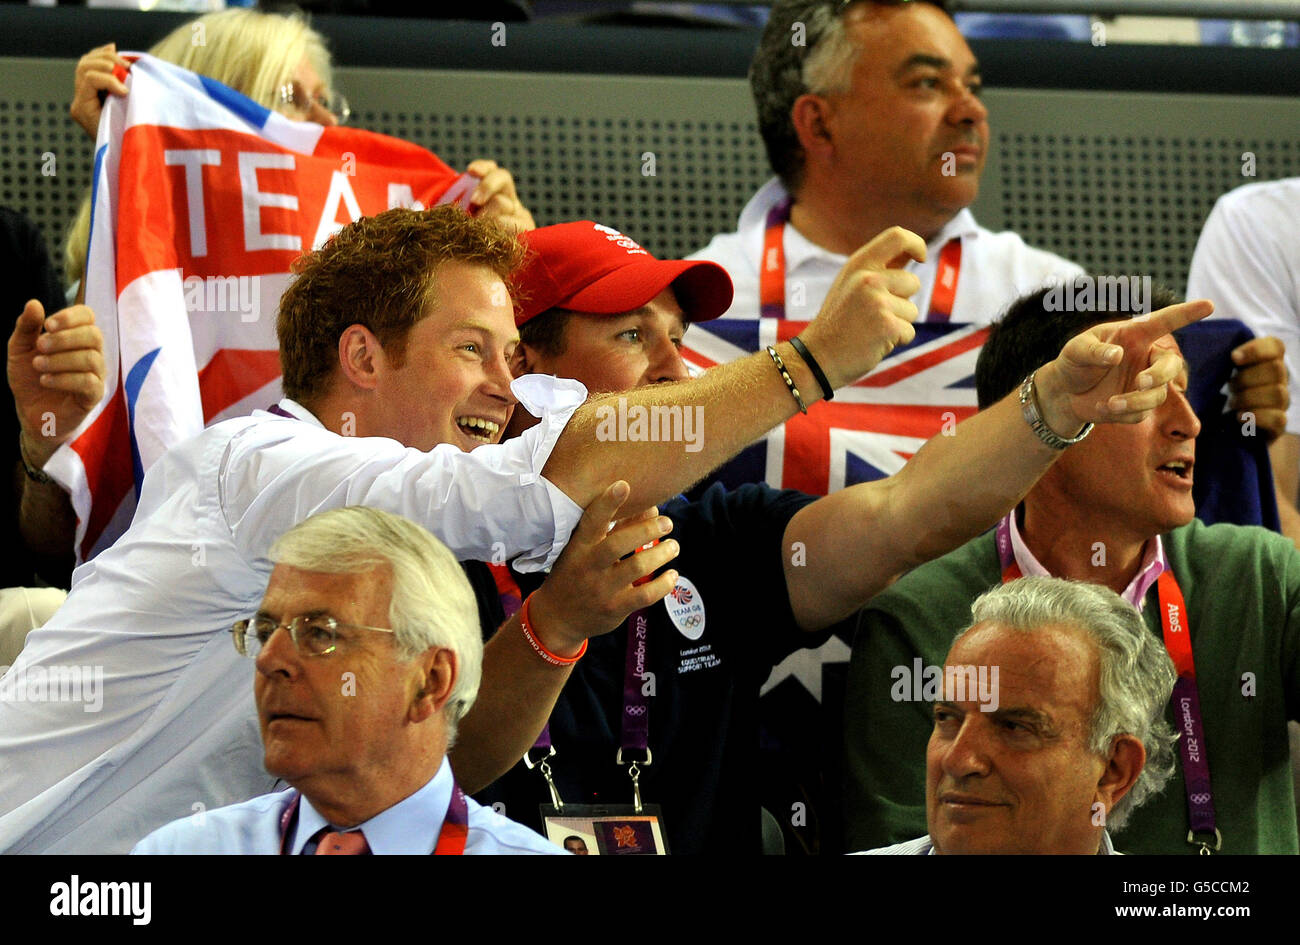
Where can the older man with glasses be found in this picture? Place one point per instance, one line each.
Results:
(358, 701)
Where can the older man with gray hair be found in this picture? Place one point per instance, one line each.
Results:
(358, 700)
(1072, 740)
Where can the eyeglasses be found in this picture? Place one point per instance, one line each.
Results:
(294, 96)
(313, 635)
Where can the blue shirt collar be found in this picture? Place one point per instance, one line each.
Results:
(410, 827)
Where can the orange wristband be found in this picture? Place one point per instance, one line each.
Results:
(524, 614)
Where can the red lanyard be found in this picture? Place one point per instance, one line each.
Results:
(771, 270)
(1173, 618)
(1187, 717)
(451, 838)
(944, 292)
(508, 591)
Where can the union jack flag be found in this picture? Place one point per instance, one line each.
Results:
(871, 428)
(202, 200)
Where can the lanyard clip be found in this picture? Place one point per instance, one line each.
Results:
(545, 769)
(1203, 840)
(634, 773)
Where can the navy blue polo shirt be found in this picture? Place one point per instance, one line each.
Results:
(704, 713)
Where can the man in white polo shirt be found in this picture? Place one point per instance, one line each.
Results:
(874, 120)
(871, 115)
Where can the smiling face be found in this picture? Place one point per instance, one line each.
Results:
(609, 353)
(1021, 779)
(910, 134)
(453, 385)
(1133, 480)
(322, 731)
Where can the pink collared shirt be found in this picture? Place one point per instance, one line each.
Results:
(1153, 565)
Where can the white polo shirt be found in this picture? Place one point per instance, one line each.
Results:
(996, 268)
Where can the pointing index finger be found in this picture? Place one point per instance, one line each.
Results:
(1170, 319)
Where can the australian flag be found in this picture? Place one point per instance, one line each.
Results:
(871, 428)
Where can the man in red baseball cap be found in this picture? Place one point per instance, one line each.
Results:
(664, 712)
(623, 312)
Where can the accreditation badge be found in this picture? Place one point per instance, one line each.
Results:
(686, 609)
(606, 829)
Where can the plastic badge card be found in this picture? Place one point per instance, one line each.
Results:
(605, 829)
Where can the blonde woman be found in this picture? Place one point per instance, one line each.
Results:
(278, 61)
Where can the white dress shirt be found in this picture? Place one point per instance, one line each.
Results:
(996, 268)
(1247, 262)
(175, 732)
(410, 827)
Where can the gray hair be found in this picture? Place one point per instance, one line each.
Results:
(784, 69)
(432, 602)
(1136, 675)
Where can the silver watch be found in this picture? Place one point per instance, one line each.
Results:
(1029, 408)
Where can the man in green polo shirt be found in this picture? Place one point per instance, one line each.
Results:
(1115, 510)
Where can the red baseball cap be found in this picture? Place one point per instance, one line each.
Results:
(587, 267)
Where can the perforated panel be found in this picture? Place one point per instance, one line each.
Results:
(669, 160)
(667, 181)
(1122, 183)
(45, 159)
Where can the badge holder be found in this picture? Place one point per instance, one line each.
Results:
(545, 769)
(603, 829)
(612, 829)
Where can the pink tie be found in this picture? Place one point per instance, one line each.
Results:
(351, 843)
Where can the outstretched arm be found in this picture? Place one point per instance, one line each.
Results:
(866, 314)
(857, 540)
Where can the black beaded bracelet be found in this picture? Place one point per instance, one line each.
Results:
(32, 472)
(808, 359)
(789, 381)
